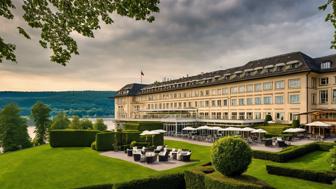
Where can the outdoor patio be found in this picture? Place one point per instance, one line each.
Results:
(158, 166)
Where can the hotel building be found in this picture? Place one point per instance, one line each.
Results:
(289, 86)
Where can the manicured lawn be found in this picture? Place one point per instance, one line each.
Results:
(274, 129)
(45, 167)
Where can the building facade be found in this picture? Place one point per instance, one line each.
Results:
(289, 86)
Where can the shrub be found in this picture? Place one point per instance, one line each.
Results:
(231, 156)
(86, 124)
(267, 119)
(332, 158)
(194, 179)
(61, 121)
(141, 126)
(292, 152)
(317, 176)
(72, 138)
(99, 125)
(93, 145)
(171, 181)
(296, 123)
(104, 141)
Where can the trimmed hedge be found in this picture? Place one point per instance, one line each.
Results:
(172, 181)
(317, 176)
(72, 138)
(104, 141)
(292, 152)
(205, 178)
(141, 126)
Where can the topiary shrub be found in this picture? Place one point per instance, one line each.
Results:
(93, 145)
(296, 123)
(231, 156)
(267, 119)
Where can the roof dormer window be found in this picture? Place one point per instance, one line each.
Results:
(326, 65)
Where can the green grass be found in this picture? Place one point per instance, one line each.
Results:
(274, 129)
(45, 167)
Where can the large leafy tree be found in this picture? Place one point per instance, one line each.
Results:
(57, 20)
(331, 17)
(75, 123)
(40, 114)
(13, 129)
(86, 124)
(61, 121)
(100, 125)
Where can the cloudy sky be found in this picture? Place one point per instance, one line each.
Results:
(188, 37)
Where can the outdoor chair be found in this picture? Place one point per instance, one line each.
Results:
(268, 142)
(158, 149)
(129, 152)
(163, 156)
(281, 144)
(150, 157)
(185, 156)
(137, 157)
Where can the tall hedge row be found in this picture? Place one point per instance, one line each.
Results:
(105, 141)
(317, 176)
(292, 152)
(141, 126)
(72, 138)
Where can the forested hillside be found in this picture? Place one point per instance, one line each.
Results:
(81, 103)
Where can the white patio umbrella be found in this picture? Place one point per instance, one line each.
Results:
(160, 131)
(189, 129)
(247, 129)
(294, 130)
(149, 133)
(205, 127)
(259, 131)
(215, 128)
(320, 125)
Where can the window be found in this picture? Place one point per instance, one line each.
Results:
(219, 91)
(241, 102)
(279, 99)
(213, 103)
(207, 92)
(206, 103)
(334, 95)
(214, 92)
(257, 115)
(294, 99)
(279, 84)
(267, 100)
(257, 100)
(234, 90)
(241, 115)
(249, 88)
(324, 97)
(258, 87)
(242, 89)
(325, 65)
(280, 116)
(293, 116)
(249, 101)
(313, 83)
(225, 91)
(324, 81)
(225, 102)
(314, 99)
(294, 83)
(249, 115)
(234, 115)
(268, 86)
(233, 102)
(225, 115)
(219, 103)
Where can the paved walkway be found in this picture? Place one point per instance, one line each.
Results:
(158, 166)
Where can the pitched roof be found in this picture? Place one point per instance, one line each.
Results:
(290, 63)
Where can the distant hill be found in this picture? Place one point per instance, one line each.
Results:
(81, 103)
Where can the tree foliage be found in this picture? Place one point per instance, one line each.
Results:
(75, 123)
(57, 20)
(231, 156)
(86, 124)
(331, 17)
(99, 125)
(40, 114)
(13, 129)
(61, 121)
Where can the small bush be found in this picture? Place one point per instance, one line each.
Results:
(93, 145)
(296, 123)
(171, 181)
(231, 156)
(72, 138)
(104, 141)
(317, 176)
